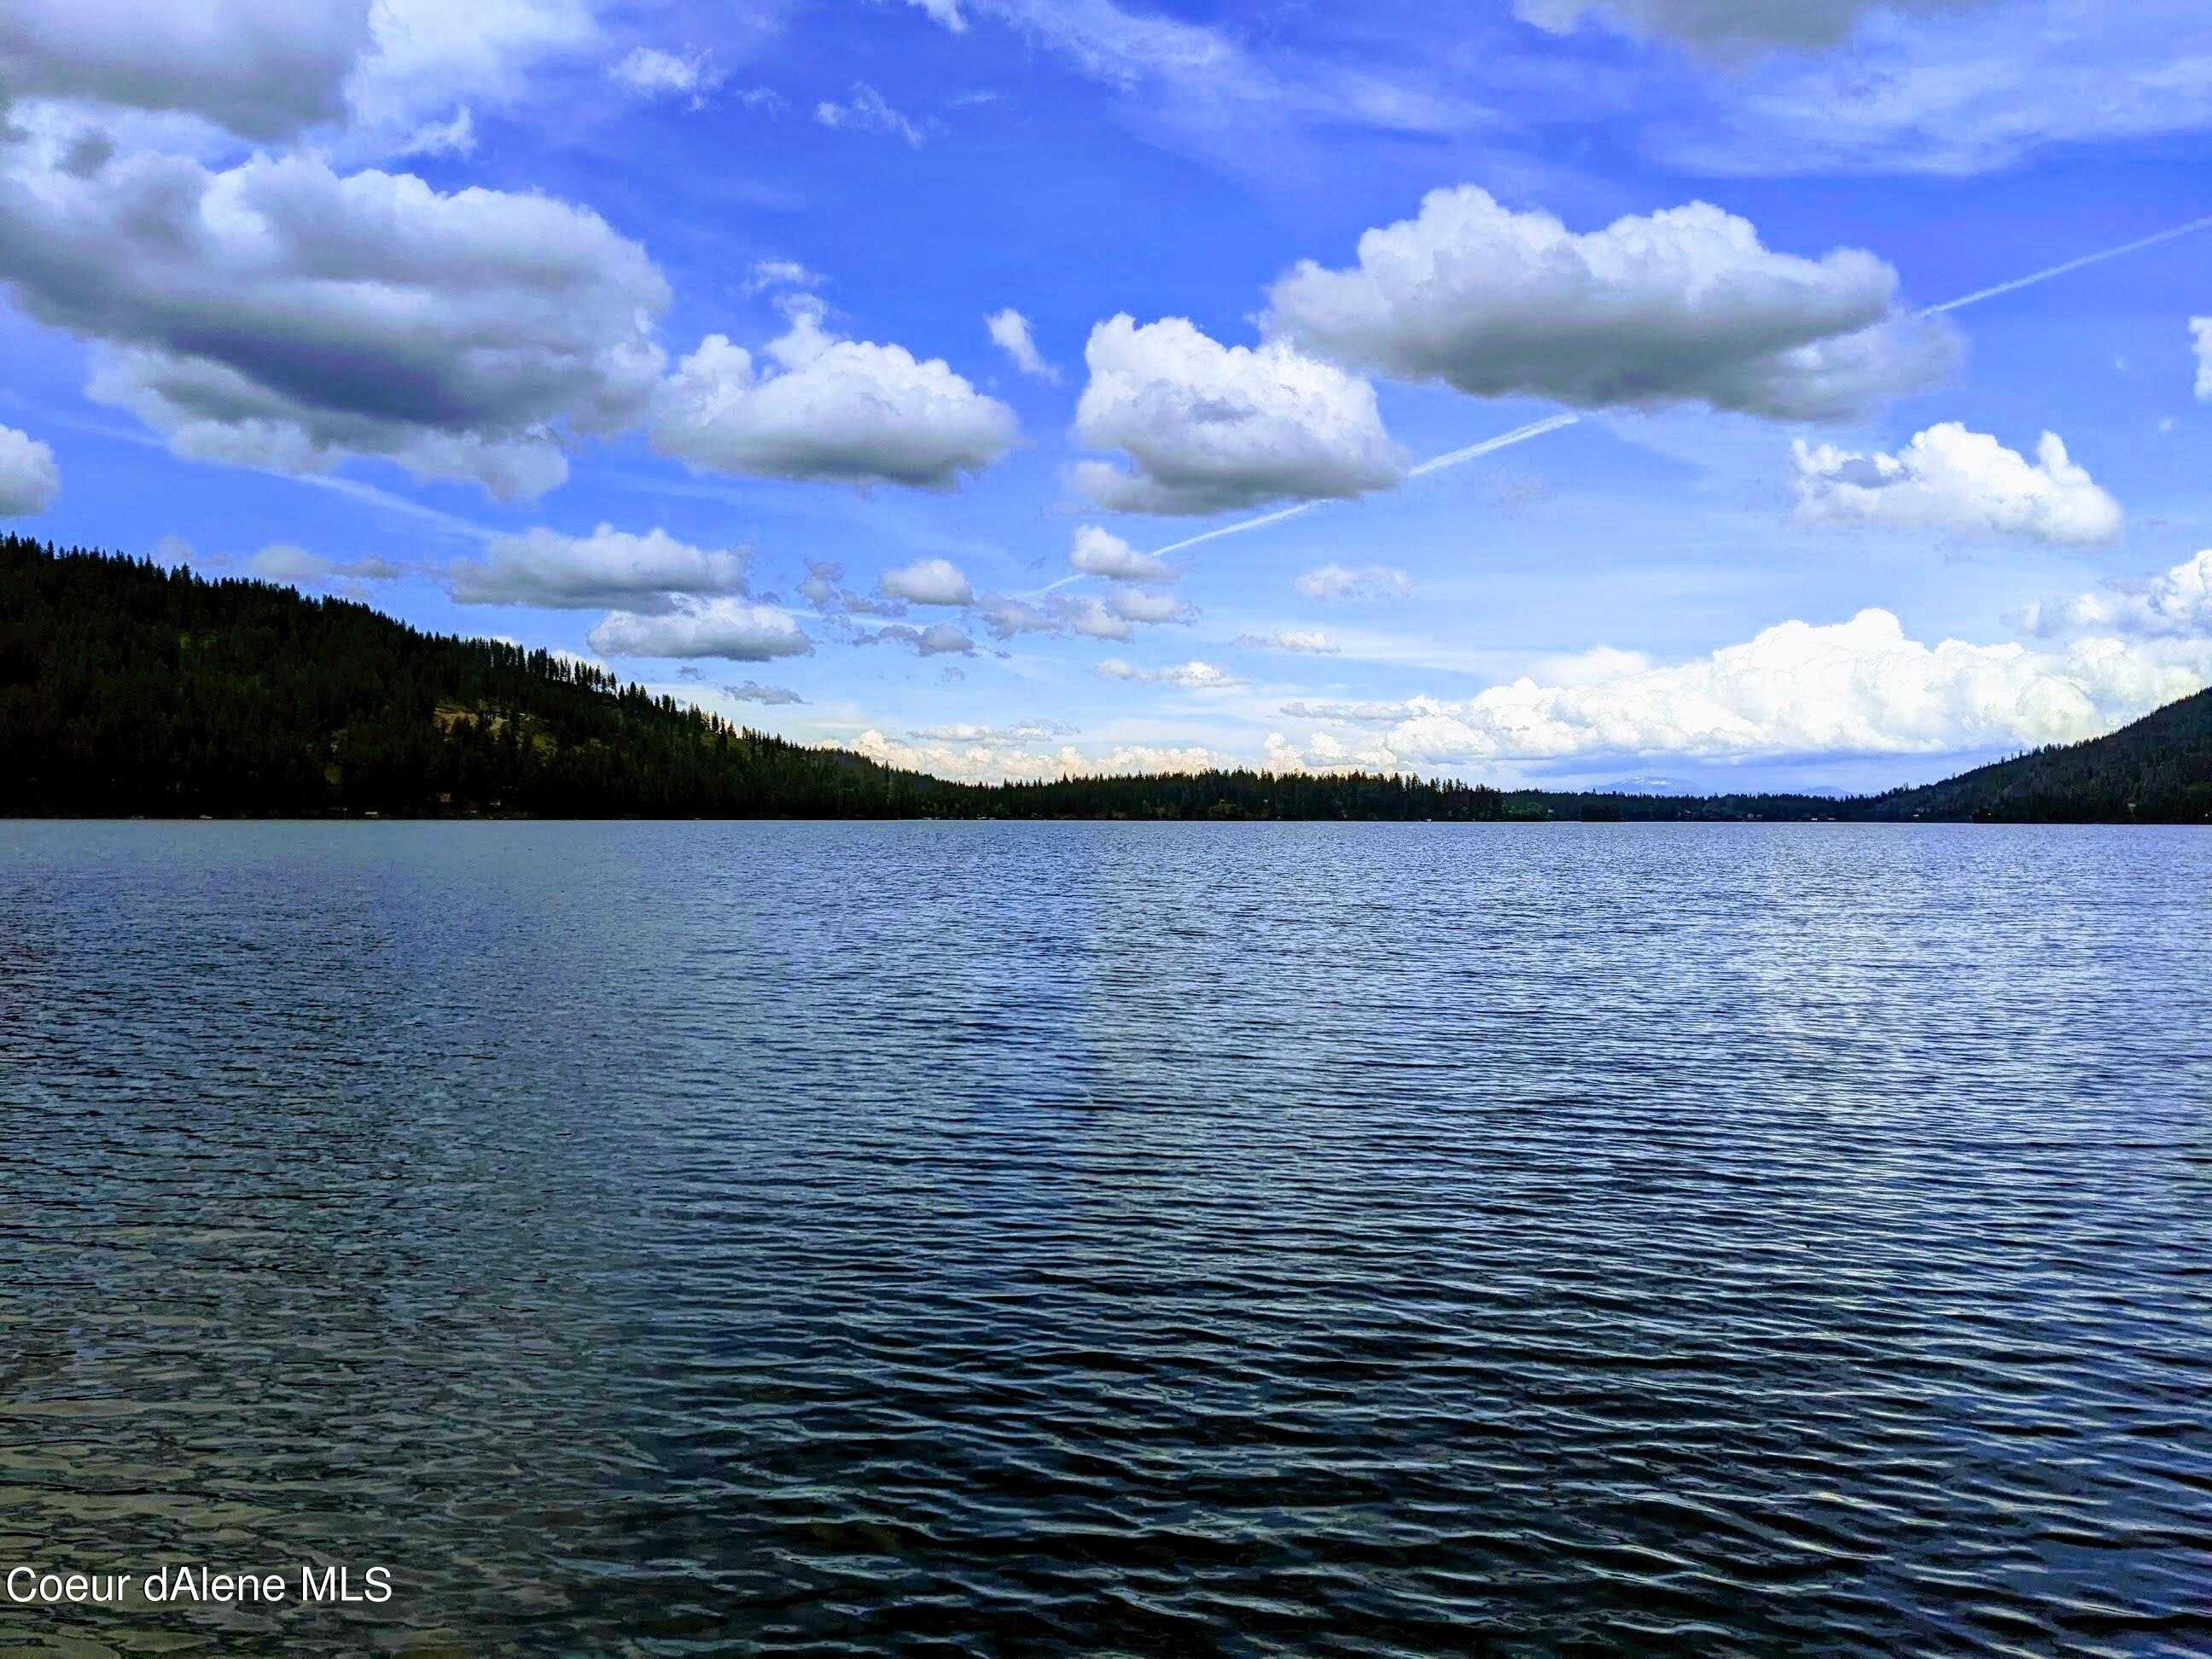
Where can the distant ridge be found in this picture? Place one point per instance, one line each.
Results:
(127, 689)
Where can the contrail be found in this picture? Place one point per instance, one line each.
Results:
(1979, 295)
(1555, 423)
(1520, 435)
(1208, 536)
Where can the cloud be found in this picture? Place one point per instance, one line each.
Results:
(992, 760)
(1010, 332)
(1116, 617)
(1194, 86)
(947, 12)
(1599, 662)
(867, 111)
(359, 78)
(30, 480)
(1192, 676)
(1093, 620)
(1366, 581)
(1954, 481)
(938, 640)
(261, 71)
(282, 562)
(1355, 713)
(1028, 732)
(1861, 687)
(427, 55)
(1211, 427)
(2201, 328)
(731, 628)
(781, 273)
(1139, 604)
(1956, 96)
(1097, 553)
(2177, 605)
(928, 581)
(1727, 26)
(754, 691)
(831, 409)
(455, 137)
(651, 72)
(823, 589)
(1326, 753)
(280, 315)
(1289, 639)
(610, 569)
(1680, 307)
(1005, 617)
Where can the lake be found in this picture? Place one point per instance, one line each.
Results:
(678, 1237)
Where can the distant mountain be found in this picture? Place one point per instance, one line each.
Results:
(127, 689)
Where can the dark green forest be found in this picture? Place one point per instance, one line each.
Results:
(128, 690)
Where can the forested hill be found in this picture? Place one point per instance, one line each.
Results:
(2158, 770)
(128, 689)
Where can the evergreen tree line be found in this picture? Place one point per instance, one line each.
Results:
(130, 690)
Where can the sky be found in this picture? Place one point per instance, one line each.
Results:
(1576, 392)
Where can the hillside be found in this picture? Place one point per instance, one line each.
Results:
(128, 689)
(2159, 770)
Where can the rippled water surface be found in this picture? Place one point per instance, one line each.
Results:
(675, 1238)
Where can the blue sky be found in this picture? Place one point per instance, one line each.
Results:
(614, 329)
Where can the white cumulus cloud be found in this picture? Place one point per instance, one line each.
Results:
(1953, 482)
(2201, 328)
(1861, 687)
(1208, 428)
(282, 315)
(1142, 605)
(732, 628)
(30, 480)
(994, 759)
(928, 581)
(609, 569)
(430, 55)
(827, 409)
(1100, 553)
(2177, 604)
(1684, 306)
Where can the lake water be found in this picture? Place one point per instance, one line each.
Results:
(1363, 1238)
